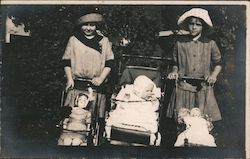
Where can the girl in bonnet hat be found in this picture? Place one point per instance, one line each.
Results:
(193, 56)
(88, 55)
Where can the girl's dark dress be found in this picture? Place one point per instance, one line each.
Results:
(194, 59)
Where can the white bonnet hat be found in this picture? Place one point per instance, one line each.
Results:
(196, 12)
(142, 81)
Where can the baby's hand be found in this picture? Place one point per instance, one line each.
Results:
(126, 96)
(64, 126)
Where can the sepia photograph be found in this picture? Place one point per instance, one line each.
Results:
(124, 79)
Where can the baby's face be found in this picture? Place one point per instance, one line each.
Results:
(82, 102)
(147, 92)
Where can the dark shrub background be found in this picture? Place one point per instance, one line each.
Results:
(33, 77)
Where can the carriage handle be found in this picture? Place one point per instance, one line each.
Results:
(89, 83)
(83, 79)
(193, 78)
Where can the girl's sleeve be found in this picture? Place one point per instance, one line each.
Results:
(109, 54)
(68, 53)
(215, 54)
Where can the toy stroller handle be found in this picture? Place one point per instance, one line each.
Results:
(84, 83)
(201, 79)
(83, 79)
(191, 78)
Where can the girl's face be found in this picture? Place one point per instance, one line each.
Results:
(82, 101)
(147, 92)
(195, 26)
(89, 29)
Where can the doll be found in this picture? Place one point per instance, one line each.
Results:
(197, 130)
(78, 123)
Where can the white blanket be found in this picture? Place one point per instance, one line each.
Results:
(135, 115)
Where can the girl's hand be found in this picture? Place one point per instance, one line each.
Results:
(97, 81)
(70, 84)
(173, 75)
(211, 79)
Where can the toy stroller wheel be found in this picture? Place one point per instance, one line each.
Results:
(158, 139)
(90, 139)
(96, 135)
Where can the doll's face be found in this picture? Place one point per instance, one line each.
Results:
(82, 101)
(147, 92)
(195, 26)
(182, 113)
(195, 112)
(89, 29)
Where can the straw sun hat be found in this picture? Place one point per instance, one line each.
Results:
(195, 12)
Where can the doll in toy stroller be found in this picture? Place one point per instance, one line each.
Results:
(77, 126)
(80, 111)
(193, 123)
(197, 129)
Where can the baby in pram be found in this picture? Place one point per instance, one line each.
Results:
(143, 89)
(77, 125)
(136, 107)
(197, 129)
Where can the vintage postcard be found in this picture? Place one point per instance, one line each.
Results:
(124, 79)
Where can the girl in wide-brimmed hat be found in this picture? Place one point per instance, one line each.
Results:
(88, 55)
(202, 14)
(193, 56)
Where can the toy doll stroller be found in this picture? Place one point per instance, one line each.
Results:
(91, 134)
(193, 129)
(128, 132)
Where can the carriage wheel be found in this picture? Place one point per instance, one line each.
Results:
(96, 134)
(158, 139)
